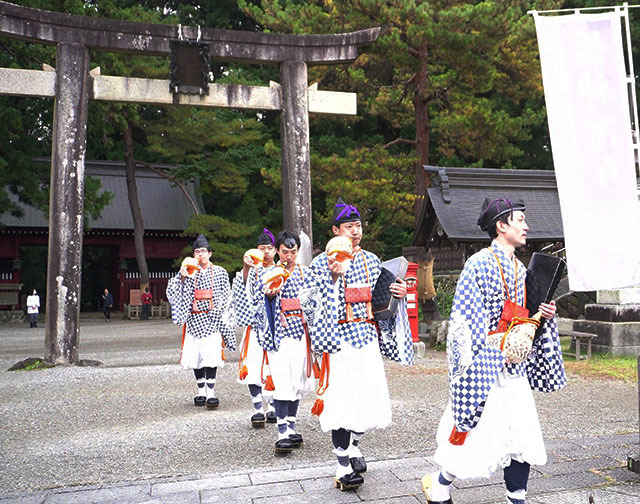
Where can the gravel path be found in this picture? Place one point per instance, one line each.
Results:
(133, 419)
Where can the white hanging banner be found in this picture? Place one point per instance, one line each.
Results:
(585, 87)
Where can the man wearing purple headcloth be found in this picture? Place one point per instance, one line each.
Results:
(491, 422)
(279, 324)
(353, 388)
(243, 287)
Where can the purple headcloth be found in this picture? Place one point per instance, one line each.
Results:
(266, 238)
(344, 213)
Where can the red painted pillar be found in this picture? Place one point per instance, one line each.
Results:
(412, 299)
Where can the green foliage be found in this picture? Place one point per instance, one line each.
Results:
(221, 148)
(36, 365)
(31, 364)
(377, 183)
(602, 366)
(448, 82)
(207, 144)
(225, 237)
(482, 73)
(445, 287)
(25, 131)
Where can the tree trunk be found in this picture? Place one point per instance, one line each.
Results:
(423, 130)
(430, 310)
(136, 212)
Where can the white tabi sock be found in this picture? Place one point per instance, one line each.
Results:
(343, 467)
(201, 387)
(283, 432)
(257, 405)
(439, 490)
(517, 497)
(210, 389)
(354, 450)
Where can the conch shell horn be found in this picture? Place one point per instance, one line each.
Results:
(339, 248)
(256, 255)
(276, 276)
(191, 265)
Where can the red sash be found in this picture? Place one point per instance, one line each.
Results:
(511, 308)
(290, 304)
(358, 294)
(203, 294)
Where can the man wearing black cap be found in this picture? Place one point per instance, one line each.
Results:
(491, 421)
(200, 297)
(353, 389)
(243, 286)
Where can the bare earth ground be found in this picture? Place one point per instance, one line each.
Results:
(133, 418)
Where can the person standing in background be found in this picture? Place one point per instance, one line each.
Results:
(33, 308)
(107, 304)
(146, 299)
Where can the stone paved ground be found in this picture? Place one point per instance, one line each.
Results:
(127, 432)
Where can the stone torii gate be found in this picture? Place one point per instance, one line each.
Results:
(72, 85)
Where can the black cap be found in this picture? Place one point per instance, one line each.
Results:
(344, 213)
(493, 209)
(201, 242)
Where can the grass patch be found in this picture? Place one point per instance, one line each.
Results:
(35, 365)
(31, 364)
(440, 347)
(614, 367)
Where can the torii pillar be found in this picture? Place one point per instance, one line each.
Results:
(66, 203)
(72, 85)
(295, 155)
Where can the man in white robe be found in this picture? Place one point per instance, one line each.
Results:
(201, 302)
(491, 421)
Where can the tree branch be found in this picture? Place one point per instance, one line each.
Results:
(172, 179)
(397, 141)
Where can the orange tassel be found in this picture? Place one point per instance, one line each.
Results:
(316, 369)
(242, 367)
(318, 407)
(369, 311)
(223, 357)
(269, 384)
(323, 384)
(349, 312)
(456, 437)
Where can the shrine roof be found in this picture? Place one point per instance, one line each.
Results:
(456, 195)
(164, 206)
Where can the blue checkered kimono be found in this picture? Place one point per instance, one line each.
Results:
(323, 315)
(474, 366)
(243, 297)
(290, 326)
(200, 325)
